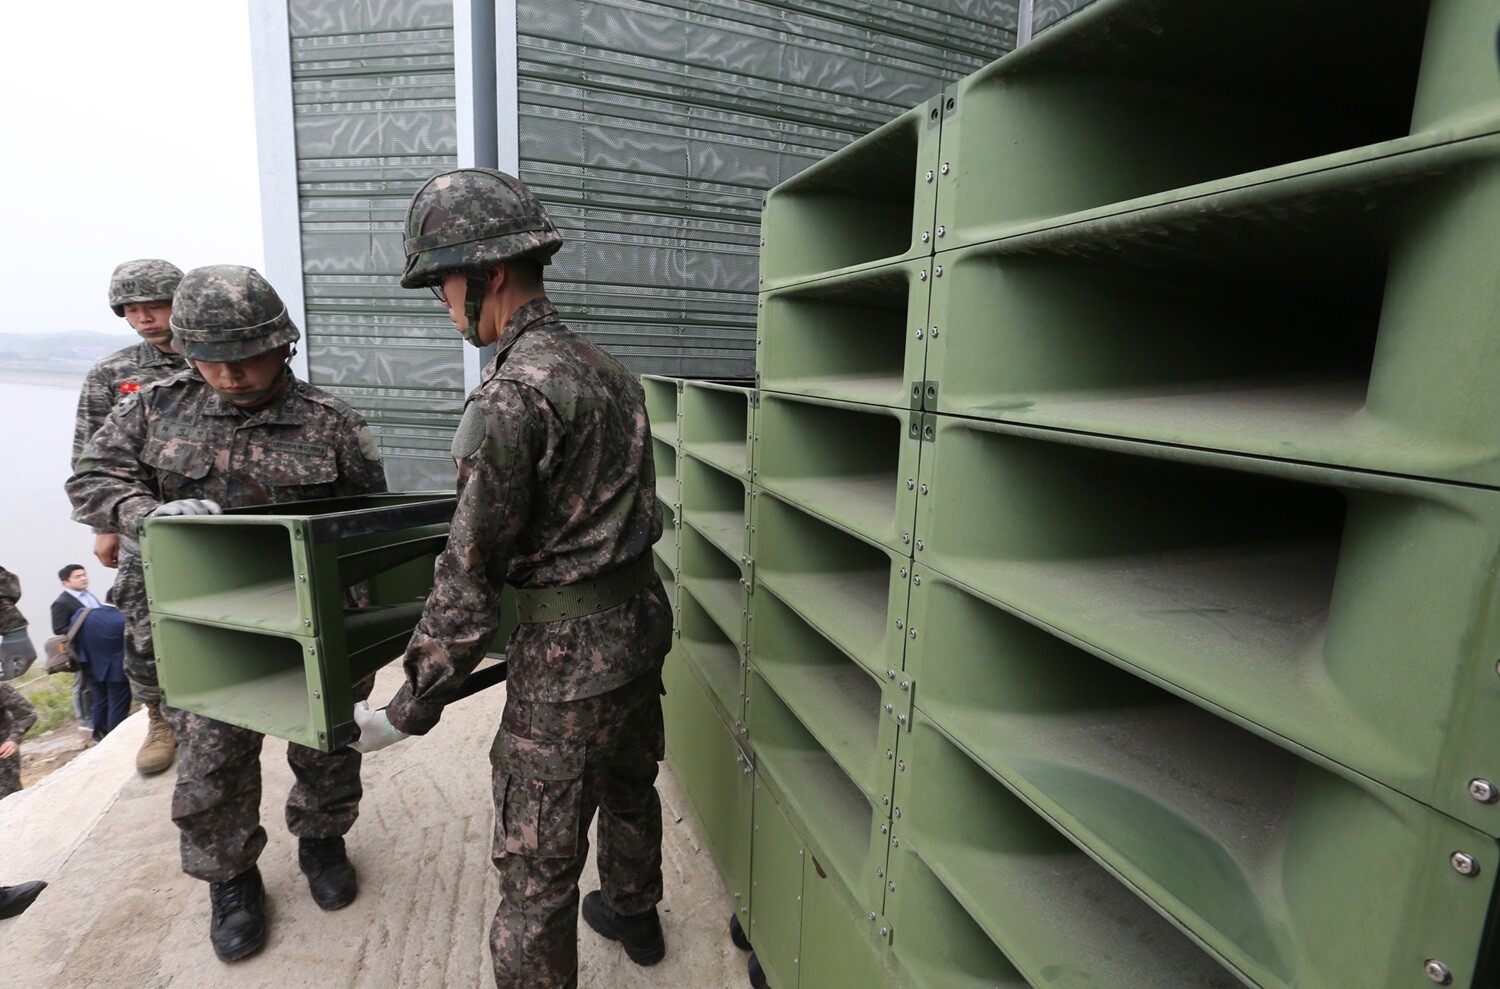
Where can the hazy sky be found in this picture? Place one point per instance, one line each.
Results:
(129, 133)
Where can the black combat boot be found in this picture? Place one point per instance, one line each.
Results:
(639, 933)
(15, 899)
(238, 927)
(330, 874)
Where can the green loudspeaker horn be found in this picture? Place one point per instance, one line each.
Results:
(267, 617)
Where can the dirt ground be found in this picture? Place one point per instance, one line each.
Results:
(52, 750)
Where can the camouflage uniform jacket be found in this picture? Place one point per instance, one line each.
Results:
(179, 439)
(16, 714)
(555, 485)
(10, 592)
(113, 378)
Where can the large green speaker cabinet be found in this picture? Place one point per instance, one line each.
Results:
(1119, 603)
(252, 612)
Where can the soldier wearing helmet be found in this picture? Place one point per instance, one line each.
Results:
(140, 292)
(243, 430)
(556, 497)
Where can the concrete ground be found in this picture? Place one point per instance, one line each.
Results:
(119, 911)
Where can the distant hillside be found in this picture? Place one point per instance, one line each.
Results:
(53, 355)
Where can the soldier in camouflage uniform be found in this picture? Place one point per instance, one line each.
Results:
(141, 293)
(16, 717)
(16, 651)
(241, 431)
(556, 496)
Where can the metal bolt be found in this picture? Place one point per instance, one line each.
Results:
(912, 633)
(1483, 791)
(889, 754)
(910, 484)
(923, 276)
(317, 695)
(885, 931)
(924, 489)
(891, 886)
(762, 279)
(905, 684)
(905, 538)
(311, 650)
(885, 829)
(895, 842)
(302, 577)
(307, 623)
(880, 872)
(871, 914)
(934, 332)
(900, 623)
(1464, 864)
(900, 720)
(917, 579)
(937, 272)
(889, 708)
(945, 168)
(1438, 972)
(919, 544)
(942, 231)
(901, 766)
(890, 674)
(929, 178)
(919, 334)
(926, 236)
(903, 571)
(886, 801)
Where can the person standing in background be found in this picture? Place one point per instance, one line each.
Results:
(16, 651)
(16, 718)
(141, 293)
(100, 646)
(76, 595)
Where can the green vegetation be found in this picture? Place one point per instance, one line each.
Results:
(52, 696)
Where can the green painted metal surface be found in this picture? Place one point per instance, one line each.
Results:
(778, 865)
(1119, 595)
(707, 753)
(855, 337)
(248, 606)
(869, 203)
(845, 462)
(718, 420)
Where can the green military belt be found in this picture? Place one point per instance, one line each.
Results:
(585, 597)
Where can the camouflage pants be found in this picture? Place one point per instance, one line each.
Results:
(216, 803)
(553, 765)
(10, 775)
(140, 655)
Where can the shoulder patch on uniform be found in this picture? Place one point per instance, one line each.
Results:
(368, 448)
(470, 434)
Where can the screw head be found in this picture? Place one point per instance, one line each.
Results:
(889, 755)
(1483, 791)
(905, 538)
(922, 277)
(903, 571)
(901, 766)
(912, 633)
(926, 236)
(919, 544)
(891, 886)
(942, 231)
(945, 168)
(1464, 864)
(917, 579)
(870, 915)
(900, 623)
(910, 484)
(924, 489)
(1437, 972)
(919, 334)
(934, 332)
(929, 175)
(880, 872)
(937, 272)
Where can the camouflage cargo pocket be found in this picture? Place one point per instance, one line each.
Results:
(542, 797)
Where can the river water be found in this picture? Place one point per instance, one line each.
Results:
(36, 535)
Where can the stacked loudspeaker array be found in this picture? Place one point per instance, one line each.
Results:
(1111, 599)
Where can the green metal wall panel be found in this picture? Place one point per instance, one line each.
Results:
(373, 112)
(654, 129)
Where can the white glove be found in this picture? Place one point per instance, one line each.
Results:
(375, 729)
(189, 506)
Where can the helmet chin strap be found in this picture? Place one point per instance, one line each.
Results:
(249, 399)
(477, 284)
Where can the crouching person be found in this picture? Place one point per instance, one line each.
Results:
(247, 432)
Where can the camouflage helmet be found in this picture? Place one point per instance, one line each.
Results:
(146, 280)
(473, 218)
(227, 312)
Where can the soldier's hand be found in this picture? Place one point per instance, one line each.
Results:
(107, 549)
(8, 749)
(189, 506)
(375, 729)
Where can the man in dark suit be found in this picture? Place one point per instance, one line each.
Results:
(75, 595)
